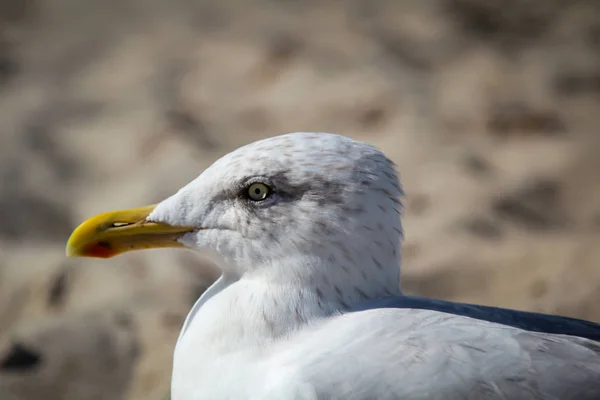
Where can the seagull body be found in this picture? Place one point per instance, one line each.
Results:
(309, 305)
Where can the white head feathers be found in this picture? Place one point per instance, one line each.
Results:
(330, 214)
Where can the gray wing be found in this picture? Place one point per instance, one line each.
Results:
(423, 354)
(528, 321)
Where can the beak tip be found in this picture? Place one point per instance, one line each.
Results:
(78, 248)
(72, 252)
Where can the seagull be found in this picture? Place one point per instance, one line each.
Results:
(307, 228)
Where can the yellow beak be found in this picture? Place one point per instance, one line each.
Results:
(112, 233)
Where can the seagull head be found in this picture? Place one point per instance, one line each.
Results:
(319, 199)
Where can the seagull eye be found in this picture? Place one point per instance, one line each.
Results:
(258, 191)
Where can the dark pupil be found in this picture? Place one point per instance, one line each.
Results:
(257, 191)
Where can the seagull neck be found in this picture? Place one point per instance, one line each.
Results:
(257, 308)
(272, 301)
(250, 313)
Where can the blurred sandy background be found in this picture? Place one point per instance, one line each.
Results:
(491, 109)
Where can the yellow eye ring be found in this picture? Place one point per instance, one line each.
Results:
(258, 191)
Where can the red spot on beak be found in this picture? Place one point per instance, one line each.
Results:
(99, 250)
